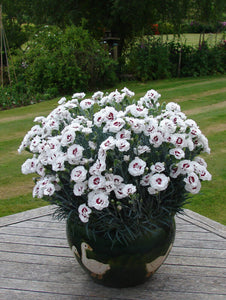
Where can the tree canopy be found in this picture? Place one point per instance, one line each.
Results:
(123, 18)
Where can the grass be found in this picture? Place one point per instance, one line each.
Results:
(192, 39)
(203, 99)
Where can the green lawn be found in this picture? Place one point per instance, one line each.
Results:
(192, 39)
(203, 99)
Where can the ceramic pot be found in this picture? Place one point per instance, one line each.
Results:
(121, 265)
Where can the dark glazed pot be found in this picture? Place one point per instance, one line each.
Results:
(121, 266)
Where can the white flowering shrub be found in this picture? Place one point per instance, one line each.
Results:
(118, 164)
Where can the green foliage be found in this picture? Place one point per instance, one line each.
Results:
(13, 96)
(148, 59)
(154, 59)
(61, 61)
(196, 27)
(125, 19)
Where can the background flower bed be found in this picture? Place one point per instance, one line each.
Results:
(56, 62)
(153, 58)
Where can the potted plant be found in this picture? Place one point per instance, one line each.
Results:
(118, 169)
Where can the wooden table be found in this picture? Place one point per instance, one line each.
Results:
(36, 263)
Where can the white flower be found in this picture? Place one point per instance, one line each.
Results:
(129, 189)
(167, 125)
(191, 179)
(109, 143)
(37, 191)
(119, 191)
(137, 167)
(152, 95)
(179, 140)
(156, 139)
(96, 182)
(195, 132)
(52, 144)
(98, 167)
(159, 182)
(152, 191)
(178, 153)
(74, 153)
(58, 162)
(204, 142)
(200, 161)
(78, 174)
(102, 154)
(173, 106)
(202, 172)
(113, 95)
(194, 189)
(191, 123)
(190, 144)
(86, 130)
(87, 103)
(62, 100)
(137, 110)
(75, 125)
(141, 149)
(110, 113)
(109, 186)
(116, 179)
(92, 145)
(49, 189)
(79, 188)
(68, 137)
(186, 166)
(128, 92)
(175, 171)
(79, 95)
(99, 118)
(97, 95)
(39, 119)
(137, 125)
(29, 166)
(158, 167)
(98, 200)
(40, 169)
(122, 145)
(84, 212)
(151, 126)
(34, 146)
(145, 180)
(123, 134)
(116, 125)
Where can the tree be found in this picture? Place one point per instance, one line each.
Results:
(207, 12)
(125, 19)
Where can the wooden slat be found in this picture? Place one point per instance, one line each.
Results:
(159, 282)
(37, 224)
(71, 269)
(35, 249)
(33, 232)
(26, 215)
(36, 263)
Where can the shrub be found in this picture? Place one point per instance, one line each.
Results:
(154, 59)
(61, 61)
(13, 96)
(148, 59)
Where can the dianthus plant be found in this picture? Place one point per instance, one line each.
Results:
(118, 165)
